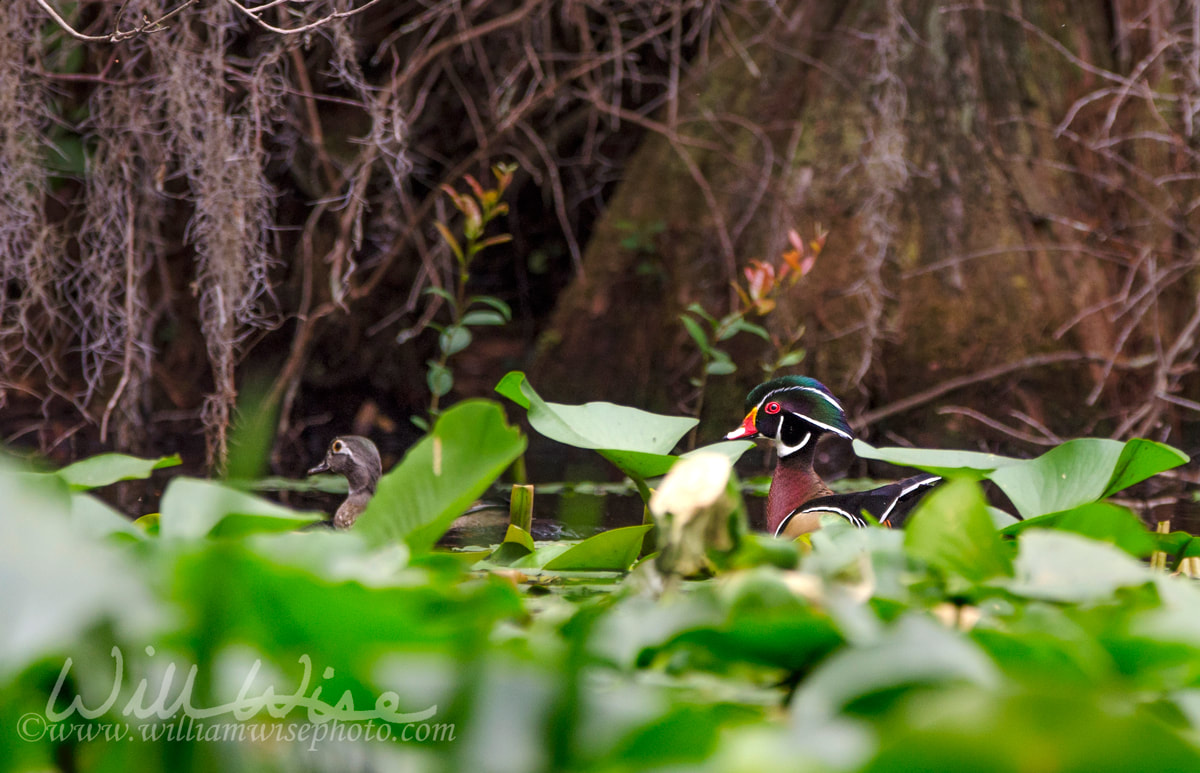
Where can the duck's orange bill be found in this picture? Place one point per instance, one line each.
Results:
(747, 429)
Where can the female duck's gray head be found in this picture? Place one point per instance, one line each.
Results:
(357, 459)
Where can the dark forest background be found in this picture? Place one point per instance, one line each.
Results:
(205, 200)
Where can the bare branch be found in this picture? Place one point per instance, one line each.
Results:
(255, 15)
(145, 26)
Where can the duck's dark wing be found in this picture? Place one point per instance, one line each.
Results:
(890, 504)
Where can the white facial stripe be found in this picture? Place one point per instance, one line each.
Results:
(828, 398)
(789, 450)
(819, 393)
(828, 428)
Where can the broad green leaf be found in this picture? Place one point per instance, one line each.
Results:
(105, 469)
(1066, 476)
(148, 524)
(1178, 545)
(336, 556)
(731, 448)
(598, 425)
(1060, 566)
(545, 553)
(612, 550)
(1141, 459)
(1100, 521)
(454, 339)
(92, 517)
(336, 623)
(1035, 727)
(952, 530)
(767, 624)
(520, 536)
(32, 494)
(439, 477)
(1072, 474)
(947, 463)
(639, 465)
(193, 508)
(58, 583)
(1177, 619)
(517, 544)
(914, 651)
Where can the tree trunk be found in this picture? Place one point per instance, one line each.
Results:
(1000, 190)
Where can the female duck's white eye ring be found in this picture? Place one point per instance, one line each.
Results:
(771, 407)
(337, 447)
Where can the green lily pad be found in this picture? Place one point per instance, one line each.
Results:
(92, 517)
(1067, 476)
(517, 544)
(1141, 459)
(520, 536)
(637, 442)
(599, 426)
(1060, 566)
(193, 508)
(105, 469)
(914, 651)
(952, 530)
(469, 447)
(1101, 521)
(944, 462)
(1064, 477)
(612, 550)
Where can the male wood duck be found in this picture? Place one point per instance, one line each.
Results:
(794, 412)
(485, 522)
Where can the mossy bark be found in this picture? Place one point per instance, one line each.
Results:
(982, 234)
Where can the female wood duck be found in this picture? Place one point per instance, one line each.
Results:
(356, 458)
(794, 412)
(485, 522)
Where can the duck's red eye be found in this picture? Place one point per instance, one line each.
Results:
(771, 407)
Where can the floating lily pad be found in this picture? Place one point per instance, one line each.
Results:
(612, 550)
(952, 530)
(106, 469)
(1101, 521)
(1059, 566)
(1067, 476)
(638, 442)
(192, 508)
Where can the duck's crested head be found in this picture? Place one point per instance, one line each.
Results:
(801, 400)
(353, 456)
